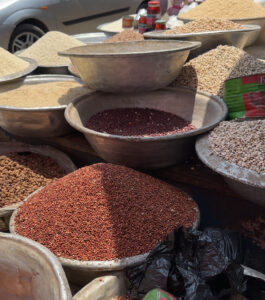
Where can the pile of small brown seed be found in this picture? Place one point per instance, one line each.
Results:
(209, 71)
(22, 174)
(226, 9)
(203, 25)
(125, 36)
(242, 143)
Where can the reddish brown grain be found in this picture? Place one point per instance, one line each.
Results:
(104, 212)
(138, 122)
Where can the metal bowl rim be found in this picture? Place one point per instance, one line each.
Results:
(49, 256)
(39, 66)
(194, 132)
(202, 141)
(193, 45)
(11, 77)
(233, 20)
(117, 264)
(44, 108)
(160, 34)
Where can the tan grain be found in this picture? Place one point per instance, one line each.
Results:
(225, 9)
(42, 94)
(125, 36)
(203, 25)
(45, 50)
(209, 71)
(9, 63)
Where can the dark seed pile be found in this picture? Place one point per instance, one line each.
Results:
(104, 212)
(22, 174)
(138, 122)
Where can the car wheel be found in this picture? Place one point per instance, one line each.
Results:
(24, 36)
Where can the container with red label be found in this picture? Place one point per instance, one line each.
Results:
(142, 26)
(153, 14)
(160, 25)
(245, 96)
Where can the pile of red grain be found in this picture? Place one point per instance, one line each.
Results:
(138, 122)
(104, 212)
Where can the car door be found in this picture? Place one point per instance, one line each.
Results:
(94, 13)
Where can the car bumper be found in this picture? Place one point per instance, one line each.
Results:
(5, 34)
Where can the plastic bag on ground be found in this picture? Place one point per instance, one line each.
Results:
(193, 265)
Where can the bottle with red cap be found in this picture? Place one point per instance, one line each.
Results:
(153, 14)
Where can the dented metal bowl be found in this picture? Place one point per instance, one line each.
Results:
(39, 122)
(130, 66)
(203, 110)
(30, 271)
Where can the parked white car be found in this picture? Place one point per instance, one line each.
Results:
(22, 22)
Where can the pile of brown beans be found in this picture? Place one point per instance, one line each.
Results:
(104, 212)
(22, 174)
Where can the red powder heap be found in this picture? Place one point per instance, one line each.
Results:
(104, 212)
(138, 122)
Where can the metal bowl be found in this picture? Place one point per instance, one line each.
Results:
(247, 183)
(18, 75)
(255, 36)
(92, 37)
(82, 272)
(130, 66)
(72, 70)
(31, 269)
(37, 122)
(209, 40)
(61, 158)
(205, 111)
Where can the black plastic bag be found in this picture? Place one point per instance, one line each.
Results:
(195, 265)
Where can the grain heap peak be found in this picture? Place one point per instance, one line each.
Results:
(104, 212)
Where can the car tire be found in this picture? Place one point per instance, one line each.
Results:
(24, 36)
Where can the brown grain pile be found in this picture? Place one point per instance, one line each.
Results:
(225, 9)
(42, 94)
(22, 174)
(10, 63)
(241, 143)
(209, 71)
(45, 50)
(127, 35)
(104, 212)
(203, 25)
